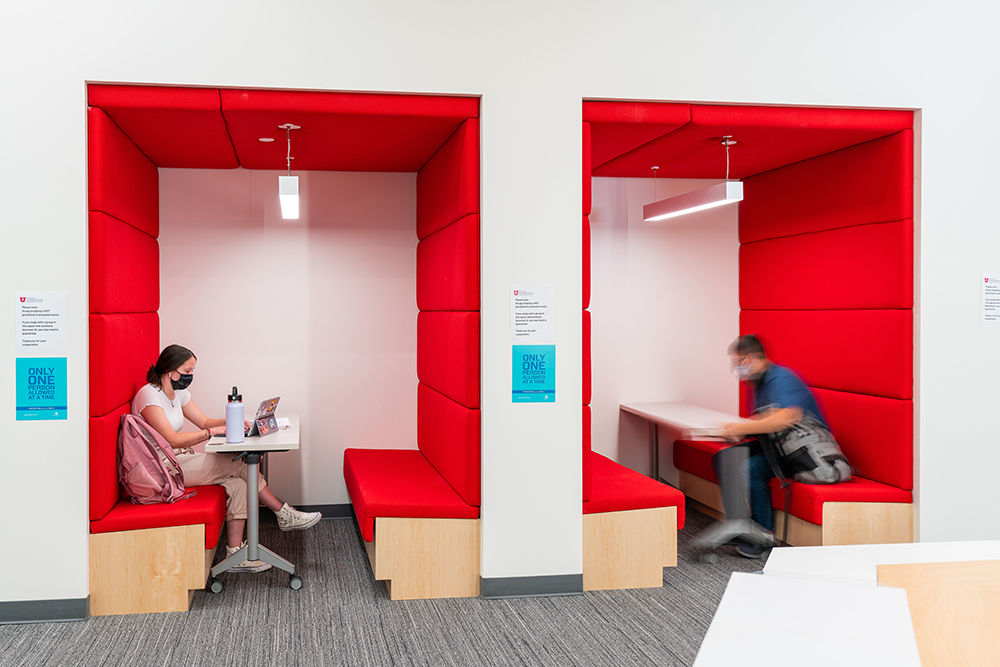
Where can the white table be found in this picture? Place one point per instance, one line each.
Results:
(251, 450)
(770, 621)
(690, 420)
(858, 564)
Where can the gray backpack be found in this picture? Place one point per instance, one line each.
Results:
(810, 455)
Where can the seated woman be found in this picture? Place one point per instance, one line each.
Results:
(163, 404)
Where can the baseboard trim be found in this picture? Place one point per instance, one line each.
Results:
(44, 611)
(341, 511)
(495, 588)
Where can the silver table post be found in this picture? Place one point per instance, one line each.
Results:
(253, 550)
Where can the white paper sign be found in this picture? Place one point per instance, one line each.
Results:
(531, 315)
(40, 321)
(989, 312)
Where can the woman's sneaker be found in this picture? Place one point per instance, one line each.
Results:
(290, 518)
(247, 565)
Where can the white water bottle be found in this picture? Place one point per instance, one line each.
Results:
(234, 417)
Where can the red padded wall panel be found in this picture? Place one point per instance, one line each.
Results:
(448, 354)
(868, 266)
(862, 351)
(875, 433)
(586, 262)
(587, 380)
(174, 126)
(448, 436)
(448, 267)
(122, 182)
(619, 127)
(769, 138)
(122, 346)
(448, 185)
(104, 488)
(587, 448)
(124, 267)
(587, 167)
(871, 182)
(342, 131)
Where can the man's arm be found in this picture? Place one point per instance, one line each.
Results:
(771, 421)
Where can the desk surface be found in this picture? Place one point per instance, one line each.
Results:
(858, 564)
(765, 620)
(690, 419)
(282, 441)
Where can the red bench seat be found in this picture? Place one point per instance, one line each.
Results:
(695, 457)
(207, 507)
(399, 483)
(808, 499)
(615, 488)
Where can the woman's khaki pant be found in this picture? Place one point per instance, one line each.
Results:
(201, 469)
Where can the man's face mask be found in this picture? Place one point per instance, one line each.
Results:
(184, 382)
(741, 368)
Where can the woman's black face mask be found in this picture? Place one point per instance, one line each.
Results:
(184, 382)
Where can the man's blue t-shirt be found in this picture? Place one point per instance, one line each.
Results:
(781, 388)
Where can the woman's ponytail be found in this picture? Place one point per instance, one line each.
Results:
(172, 358)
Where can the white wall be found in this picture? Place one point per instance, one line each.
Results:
(532, 63)
(665, 306)
(321, 311)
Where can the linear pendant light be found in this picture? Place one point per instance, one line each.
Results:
(719, 194)
(288, 186)
(699, 200)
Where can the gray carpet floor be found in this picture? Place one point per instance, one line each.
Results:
(342, 616)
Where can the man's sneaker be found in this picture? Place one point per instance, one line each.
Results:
(754, 551)
(247, 565)
(290, 518)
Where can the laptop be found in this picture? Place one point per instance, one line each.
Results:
(265, 422)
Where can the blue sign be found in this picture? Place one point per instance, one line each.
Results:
(534, 374)
(41, 388)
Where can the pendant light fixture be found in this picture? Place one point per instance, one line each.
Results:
(288, 186)
(699, 200)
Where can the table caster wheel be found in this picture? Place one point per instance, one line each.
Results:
(216, 585)
(708, 558)
(295, 582)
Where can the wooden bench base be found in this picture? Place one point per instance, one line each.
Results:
(843, 523)
(147, 571)
(628, 549)
(426, 558)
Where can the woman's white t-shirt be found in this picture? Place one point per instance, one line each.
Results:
(152, 395)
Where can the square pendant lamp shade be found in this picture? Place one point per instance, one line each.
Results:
(288, 194)
(699, 200)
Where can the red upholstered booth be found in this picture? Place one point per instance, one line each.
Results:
(828, 287)
(133, 130)
(442, 479)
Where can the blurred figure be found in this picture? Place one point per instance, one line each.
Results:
(785, 411)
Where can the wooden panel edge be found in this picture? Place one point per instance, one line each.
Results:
(867, 523)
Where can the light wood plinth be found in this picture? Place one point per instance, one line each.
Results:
(800, 533)
(705, 493)
(955, 609)
(843, 523)
(147, 571)
(426, 558)
(628, 549)
(867, 523)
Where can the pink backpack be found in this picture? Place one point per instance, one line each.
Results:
(147, 467)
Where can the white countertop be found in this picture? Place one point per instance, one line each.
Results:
(691, 420)
(858, 564)
(769, 621)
